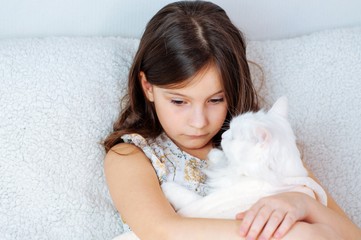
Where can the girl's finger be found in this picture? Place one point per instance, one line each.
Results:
(247, 221)
(263, 216)
(240, 215)
(288, 221)
(272, 224)
(249, 216)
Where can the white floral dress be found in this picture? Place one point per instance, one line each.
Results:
(171, 163)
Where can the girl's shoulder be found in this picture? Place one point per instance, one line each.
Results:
(121, 153)
(153, 148)
(126, 152)
(134, 138)
(123, 149)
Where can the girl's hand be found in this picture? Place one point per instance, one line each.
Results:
(273, 215)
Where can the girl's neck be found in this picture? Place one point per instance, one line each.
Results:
(201, 153)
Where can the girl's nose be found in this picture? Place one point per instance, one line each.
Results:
(198, 118)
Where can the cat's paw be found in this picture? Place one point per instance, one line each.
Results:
(216, 158)
(169, 188)
(177, 195)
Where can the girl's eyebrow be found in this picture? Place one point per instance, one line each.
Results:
(182, 95)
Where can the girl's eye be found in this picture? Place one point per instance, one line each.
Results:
(216, 100)
(177, 102)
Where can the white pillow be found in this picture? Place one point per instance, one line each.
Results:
(320, 74)
(59, 97)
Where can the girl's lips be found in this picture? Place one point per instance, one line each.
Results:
(197, 136)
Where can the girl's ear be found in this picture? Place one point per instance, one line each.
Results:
(147, 87)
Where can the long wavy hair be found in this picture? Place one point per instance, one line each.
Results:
(181, 39)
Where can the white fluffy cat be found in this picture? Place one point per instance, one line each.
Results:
(259, 158)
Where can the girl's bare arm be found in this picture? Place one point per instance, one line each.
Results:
(334, 216)
(282, 212)
(136, 193)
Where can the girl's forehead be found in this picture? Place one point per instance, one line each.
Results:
(207, 75)
(208, 70)
(208, 80)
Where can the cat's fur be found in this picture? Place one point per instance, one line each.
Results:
(259, 158)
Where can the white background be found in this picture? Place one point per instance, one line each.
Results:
(258, 19)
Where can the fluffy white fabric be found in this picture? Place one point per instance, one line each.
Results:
(321, 76)
(59, 97)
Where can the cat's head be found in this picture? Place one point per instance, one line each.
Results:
(253, 136)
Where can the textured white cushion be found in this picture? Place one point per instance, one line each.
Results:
(321, 76)
(60, 96)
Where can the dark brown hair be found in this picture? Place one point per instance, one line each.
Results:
(180, 40)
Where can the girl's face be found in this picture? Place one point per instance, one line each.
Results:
(191, 115)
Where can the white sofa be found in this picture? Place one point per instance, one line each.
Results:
(60, 95)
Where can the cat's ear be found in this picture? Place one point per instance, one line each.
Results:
(280, 107)
(263, 136)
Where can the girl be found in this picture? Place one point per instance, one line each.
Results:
(189, 77)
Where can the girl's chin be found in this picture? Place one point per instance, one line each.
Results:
(198, 149)
(195, 142)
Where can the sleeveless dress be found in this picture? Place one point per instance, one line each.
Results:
(170, 163)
